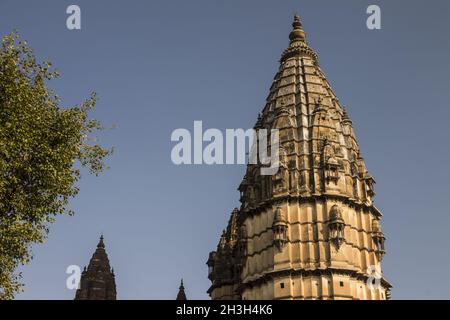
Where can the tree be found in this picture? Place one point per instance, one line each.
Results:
(43, 146)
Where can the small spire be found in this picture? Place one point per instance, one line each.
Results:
(258, 123)
(97, 280)
(101, 244)
(297, 34)
(345, 117)
(222, 241)
(181, 294)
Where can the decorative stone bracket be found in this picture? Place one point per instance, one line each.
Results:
(378, 238)
(336, 227)
(280, 228)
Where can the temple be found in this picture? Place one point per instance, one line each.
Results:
(310, 231)
(97, 281)
(181, 294)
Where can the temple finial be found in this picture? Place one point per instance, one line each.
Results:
(297, 33)
(181, 294)
(101, 244)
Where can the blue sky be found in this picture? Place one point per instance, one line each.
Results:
(159, 65)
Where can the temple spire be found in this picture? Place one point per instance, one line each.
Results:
(97, 280)
(181, 294)
(321, 170)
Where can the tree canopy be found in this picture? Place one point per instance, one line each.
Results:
(43, 146)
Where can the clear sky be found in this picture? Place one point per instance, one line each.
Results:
(159, 65)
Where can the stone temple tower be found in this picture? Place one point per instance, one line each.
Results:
(181, 294)
(97, 280)
(311, 231)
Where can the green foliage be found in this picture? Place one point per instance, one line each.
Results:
(42, 147)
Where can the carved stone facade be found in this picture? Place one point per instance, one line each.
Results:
(311, 231)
